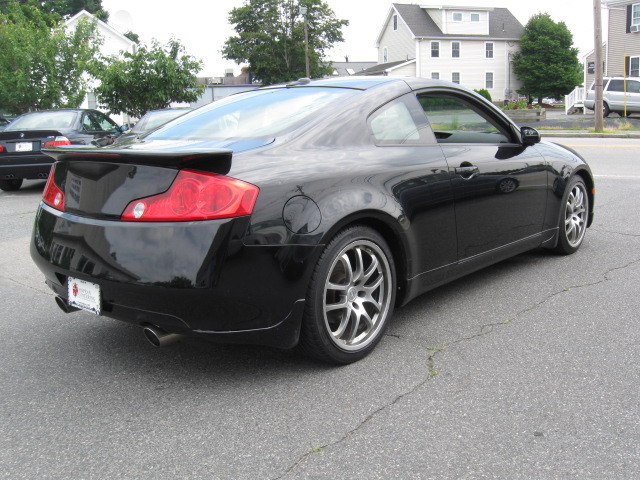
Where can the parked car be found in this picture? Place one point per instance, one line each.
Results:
(619, 94)
(150, 120)
(22, 140)
(303, 214)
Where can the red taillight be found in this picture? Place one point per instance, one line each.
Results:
(52, 195)
(57, 142)
(195, 196)
(1, 148)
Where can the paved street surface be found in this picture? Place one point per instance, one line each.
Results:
(526, 370)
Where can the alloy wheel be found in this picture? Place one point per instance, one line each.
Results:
(357, 295)
(575, 219)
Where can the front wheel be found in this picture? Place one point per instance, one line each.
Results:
(11, 185)
(573, 217)
(350, 298)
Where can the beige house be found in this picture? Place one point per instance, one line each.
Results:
(620, 50)
(472, 46)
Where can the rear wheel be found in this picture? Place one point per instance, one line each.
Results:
(350, 298)
(573, 217)
(10, 185)
(605, 110)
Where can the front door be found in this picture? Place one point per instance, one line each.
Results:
(499, 185)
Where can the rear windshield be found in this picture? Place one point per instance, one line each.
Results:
(255, 114)
(44, 120)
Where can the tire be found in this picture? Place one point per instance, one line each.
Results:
(605, 110)
(11, 185)
(574, 212)
(350, 298)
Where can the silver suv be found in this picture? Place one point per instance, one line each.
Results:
(618, 93)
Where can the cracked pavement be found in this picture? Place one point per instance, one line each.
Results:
(527, 369)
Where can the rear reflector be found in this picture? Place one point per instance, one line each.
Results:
(57, 142)
(52, 195)
(195, 196)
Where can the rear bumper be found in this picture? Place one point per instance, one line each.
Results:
(25, 166)
(188, 277)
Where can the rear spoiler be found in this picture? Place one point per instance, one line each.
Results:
(212, 160)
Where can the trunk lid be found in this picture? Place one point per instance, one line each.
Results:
(100, 183)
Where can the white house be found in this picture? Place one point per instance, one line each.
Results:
(472, 46)
(113, 42)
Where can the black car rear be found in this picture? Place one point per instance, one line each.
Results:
(21, 143)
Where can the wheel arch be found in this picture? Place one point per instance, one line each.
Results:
(590, 184)
(393, 233)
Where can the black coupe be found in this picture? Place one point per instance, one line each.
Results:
(302, 214)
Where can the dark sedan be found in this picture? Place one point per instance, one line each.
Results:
(22, 140)
(303, 214)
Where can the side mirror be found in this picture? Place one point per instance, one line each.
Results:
(529, 136)
(123, 128)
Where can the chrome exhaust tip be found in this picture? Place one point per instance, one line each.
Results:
(64, 306)
(158, 337)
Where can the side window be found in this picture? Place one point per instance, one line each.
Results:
(633, 86)
(454, 120)
(87, 122)
(104, 123)
(400, 122)
(616, 86)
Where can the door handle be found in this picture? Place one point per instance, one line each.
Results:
(467, 171)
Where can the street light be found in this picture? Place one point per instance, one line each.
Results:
(303, 11)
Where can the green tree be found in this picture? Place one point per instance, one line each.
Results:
(150, 79)
(547, 63)
(42, 67)
(270, 38)
(68, 8)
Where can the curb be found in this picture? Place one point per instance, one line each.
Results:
(585, 134)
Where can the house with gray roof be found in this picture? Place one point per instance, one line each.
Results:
(472, 46)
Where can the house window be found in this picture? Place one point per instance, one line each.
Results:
(395, 22)
(635, 14)
(634, 66)
(435, 49)
(455, 77)
(488, 50)
(475, 17)
(488, 80)
(435, 75)
(455, 49)
(385, 55)
(457, 16)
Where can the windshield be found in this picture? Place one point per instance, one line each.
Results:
(154, 119)
(252, 115)
(44, 120)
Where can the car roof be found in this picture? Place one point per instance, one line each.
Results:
(366, 82)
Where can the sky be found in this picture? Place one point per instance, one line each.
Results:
(202, 25)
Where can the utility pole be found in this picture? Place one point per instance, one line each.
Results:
(304, 11)
(597, 39)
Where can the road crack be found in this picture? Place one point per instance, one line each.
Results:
(431, 363)
(617, 233)
(37, 290)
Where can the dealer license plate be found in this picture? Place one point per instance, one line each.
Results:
(84, 295)
(24, 147)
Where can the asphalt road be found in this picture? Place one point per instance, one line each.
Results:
(526, 370)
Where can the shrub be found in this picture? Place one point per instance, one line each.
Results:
(484, 92)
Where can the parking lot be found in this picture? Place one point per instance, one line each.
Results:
(527, 369)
